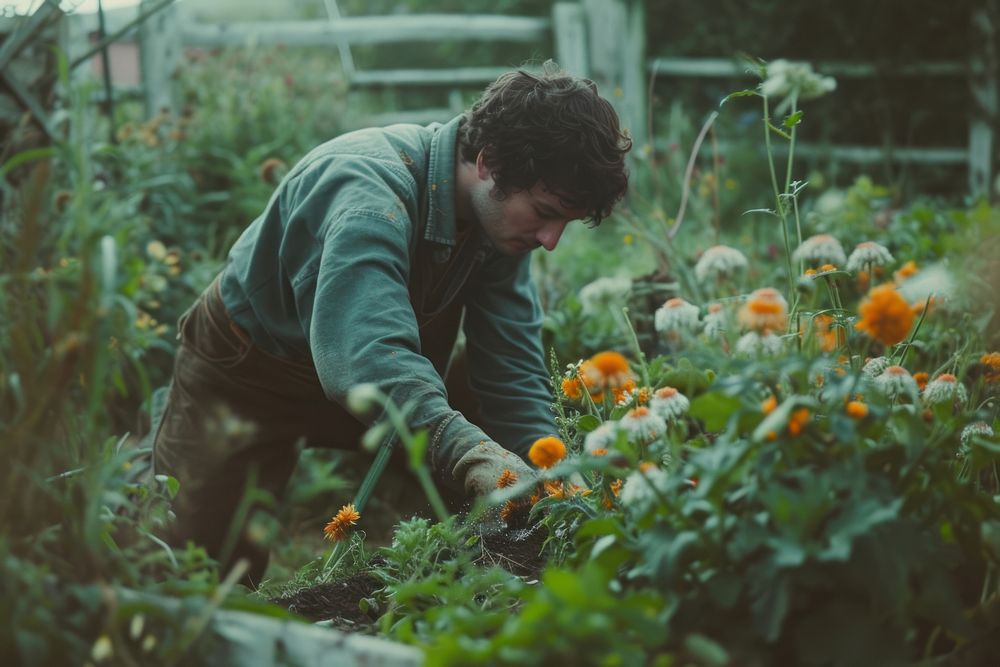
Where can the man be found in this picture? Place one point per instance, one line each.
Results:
(361, 267)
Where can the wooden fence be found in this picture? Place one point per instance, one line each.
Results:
(601, 39)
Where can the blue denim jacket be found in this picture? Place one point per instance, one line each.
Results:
(324, 276)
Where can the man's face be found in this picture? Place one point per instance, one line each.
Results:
(521, 221)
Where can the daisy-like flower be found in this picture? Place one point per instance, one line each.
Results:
(876, 366)
(975, 429)
(885, 315)
(609, 370)
(642, 425)
(546, 452)
(820, 249)
(601, 439)
(785, 77)
(944, 388)
(676, 316)
(637, 493)
(896, 382)
(718, 262)
(866, 254)
(753, 344)
(340, 525)
(507, 478)
(765, 311)
(669, 403)
(604, 293)
(715, 321)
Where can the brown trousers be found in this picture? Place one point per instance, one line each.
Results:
(236, 416)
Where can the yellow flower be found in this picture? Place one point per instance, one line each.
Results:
(628, 239)
(341, 523)
(885, 315)
(546, 452)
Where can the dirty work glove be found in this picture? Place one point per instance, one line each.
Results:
(481, 468)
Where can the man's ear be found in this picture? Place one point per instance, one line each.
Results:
(482, 170)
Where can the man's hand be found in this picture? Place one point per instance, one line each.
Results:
(488, 466)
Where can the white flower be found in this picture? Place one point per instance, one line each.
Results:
(718, 261)
(676, 315)
(785, 77)
(934, 281)
(830, 203)
(975, 429)
(752, 344)
(867, 254)
(820, 249)
(642, 426)
(156, 250)
(363, 397)
(876, 366)
(668, 403)
(602, 438)
(637, 493)
(944, 388)
(604, 293)
(895, 382)
(715, 321)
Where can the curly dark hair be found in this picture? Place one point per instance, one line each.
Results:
(554, 128)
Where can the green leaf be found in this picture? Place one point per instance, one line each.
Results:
(417, 448)
(714, 409)
(587, 423)
(739, 93)
(706, 651)
(793, 119)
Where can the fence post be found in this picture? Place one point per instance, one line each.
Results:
(984, 95)
(159, 56)
(616, 37)
(569, 32)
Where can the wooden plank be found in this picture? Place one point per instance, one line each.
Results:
(724, 67)
(570, 28)
(857, 154)
(417, 117)
(428, 77)
(984, 94)
(372, 30)
(25, 30)
(159, 57)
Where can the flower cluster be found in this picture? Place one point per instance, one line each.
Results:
(868, 253)
(785, 78)
(718, 262)
(605, 371)
(676, 316)
(819, 250)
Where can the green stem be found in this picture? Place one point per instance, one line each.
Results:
(777, 195)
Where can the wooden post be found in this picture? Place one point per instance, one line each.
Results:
(159, 55)
(569, 34)
(984, 96)
(616, 63)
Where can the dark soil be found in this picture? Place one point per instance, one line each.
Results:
(517, 550)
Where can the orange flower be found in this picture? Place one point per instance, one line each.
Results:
(554, 488)
(798, 421)
(610, 363)
(341, 523)
(507, 478)
(546, 452)
(992, 363)
(863, 280)
(616, 487)
(768, 406)
(571, 388)
(509, 507)
(829, 338)
(765, 311)
(905, 271)
(885, 315)
(922, 378)
(623, 390)
(827, 267)
(857, 410)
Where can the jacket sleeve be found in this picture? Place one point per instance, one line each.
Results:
(361, 328)
(507, 369)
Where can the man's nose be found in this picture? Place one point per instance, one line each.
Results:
(550, 233)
